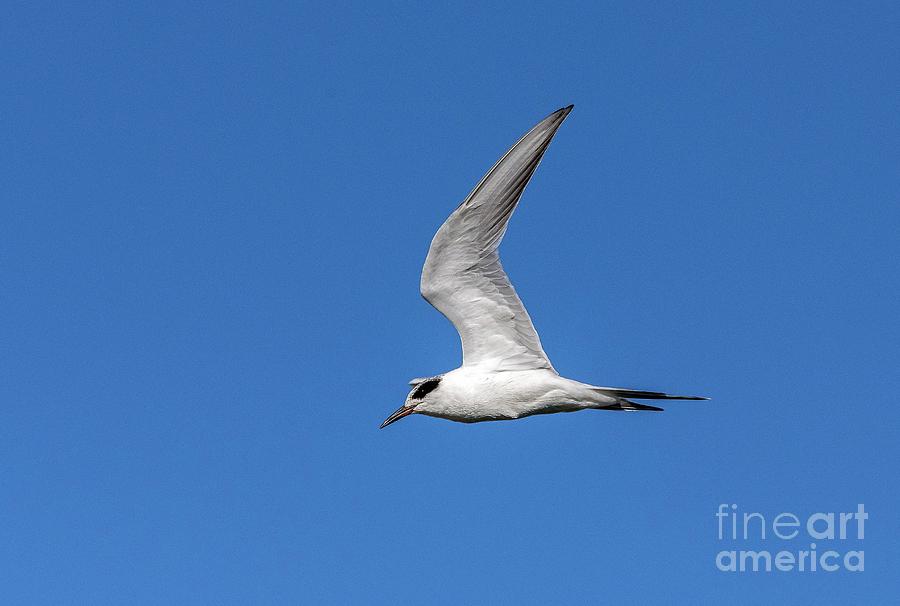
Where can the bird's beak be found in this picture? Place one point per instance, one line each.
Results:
(397, 415)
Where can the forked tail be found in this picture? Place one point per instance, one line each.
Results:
(624, 404)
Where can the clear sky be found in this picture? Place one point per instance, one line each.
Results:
(212, 224)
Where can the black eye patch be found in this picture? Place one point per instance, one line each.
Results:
(424, 388)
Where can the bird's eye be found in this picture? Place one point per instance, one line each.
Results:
(424, 388)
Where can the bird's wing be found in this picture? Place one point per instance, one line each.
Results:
(463, 277)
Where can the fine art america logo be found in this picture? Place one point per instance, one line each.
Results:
(785, 542)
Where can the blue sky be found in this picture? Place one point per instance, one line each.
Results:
(212, 225)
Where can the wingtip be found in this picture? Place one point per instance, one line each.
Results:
(562, 112)
(674, 397)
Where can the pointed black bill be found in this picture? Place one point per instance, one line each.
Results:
(397, 415)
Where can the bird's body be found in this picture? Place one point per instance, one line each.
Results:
(505, 373)
(470, 394)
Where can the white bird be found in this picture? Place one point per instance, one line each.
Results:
(505, 373)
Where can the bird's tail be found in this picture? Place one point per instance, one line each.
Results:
(623, 404)
(629, 406)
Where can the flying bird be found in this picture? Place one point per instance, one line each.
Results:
(505, 373)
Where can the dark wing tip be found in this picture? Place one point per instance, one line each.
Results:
(563, 111)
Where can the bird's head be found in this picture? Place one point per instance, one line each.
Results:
(417, 400)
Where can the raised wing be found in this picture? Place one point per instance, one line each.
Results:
(463, 277)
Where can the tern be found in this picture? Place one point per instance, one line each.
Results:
(505, 373)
